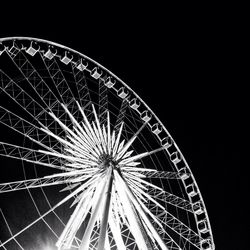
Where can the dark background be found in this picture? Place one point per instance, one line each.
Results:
(188, 67)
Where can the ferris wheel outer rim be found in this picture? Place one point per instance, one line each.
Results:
(139, 98)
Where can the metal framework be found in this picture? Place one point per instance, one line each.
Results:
(128, 185)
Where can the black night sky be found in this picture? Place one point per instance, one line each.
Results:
(187, 68)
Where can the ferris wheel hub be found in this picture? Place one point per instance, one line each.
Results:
(106, 160)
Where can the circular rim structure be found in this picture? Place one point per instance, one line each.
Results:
(123, 173)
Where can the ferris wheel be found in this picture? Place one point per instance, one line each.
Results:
(87, 164)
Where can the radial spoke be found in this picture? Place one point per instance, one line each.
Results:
(127, 160)
(129, 143)
(117, 141)
(106, 210)
(89, 131)
(170, 199)
(75, 160)
(160, 174)
(99, 129)
(69, 131)
(56, 179)
(30, 155)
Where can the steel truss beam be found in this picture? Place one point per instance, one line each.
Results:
(57, 179)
